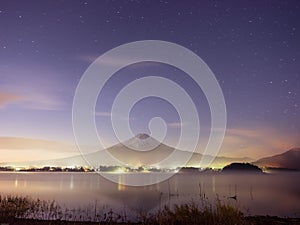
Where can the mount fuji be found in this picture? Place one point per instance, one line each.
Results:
(135, 152)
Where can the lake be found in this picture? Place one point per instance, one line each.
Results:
(257, 194)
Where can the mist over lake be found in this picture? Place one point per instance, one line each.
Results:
(256, 194)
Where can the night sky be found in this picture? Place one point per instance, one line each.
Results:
(251, 46)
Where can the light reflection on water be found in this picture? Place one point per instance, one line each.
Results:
(272, 194)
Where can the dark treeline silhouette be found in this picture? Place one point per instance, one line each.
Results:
(245, 167)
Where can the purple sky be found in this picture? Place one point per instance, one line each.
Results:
(251, 46)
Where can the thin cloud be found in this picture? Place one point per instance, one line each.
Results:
(107, 61)
(113, 61)
(14, 149)
(43, 102)
(256, 143)
(28, 89)
(176, 125)
(8, 98)
(17, 143)
(104, 114)
(33, 101)
(109, 114)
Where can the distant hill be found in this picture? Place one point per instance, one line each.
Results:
(125, 151)
(288, 160)
(241, 167)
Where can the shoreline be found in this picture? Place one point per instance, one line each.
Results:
(253, 220)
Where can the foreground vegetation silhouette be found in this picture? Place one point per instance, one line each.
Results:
(26, 210)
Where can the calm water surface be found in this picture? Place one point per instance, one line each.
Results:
(257, 194)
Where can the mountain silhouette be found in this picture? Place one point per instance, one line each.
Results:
(288, 160)
(135, 152)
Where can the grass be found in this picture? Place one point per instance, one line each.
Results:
(198, 213)
(26, 210)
